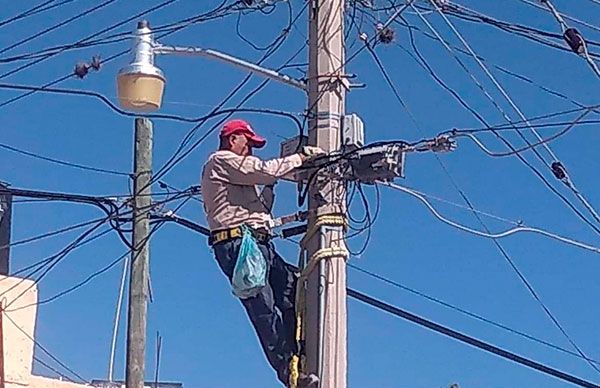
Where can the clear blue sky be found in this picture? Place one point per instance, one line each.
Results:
(207, 338)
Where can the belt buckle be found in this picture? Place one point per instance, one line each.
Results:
(236, 232)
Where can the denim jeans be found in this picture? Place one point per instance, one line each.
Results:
(272, 311)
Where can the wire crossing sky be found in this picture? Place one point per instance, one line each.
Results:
(498, 78)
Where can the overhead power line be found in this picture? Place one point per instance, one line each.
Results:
(560, 133)
(197, 19)
(487, 234)
(564, 175)
(494, 238)
(502, 69)
(52, 233)
(45, 6)
(487, 347)
(87, 39)
(63, 162)
(45, 350)
(464, 312)
(564, 199)
(52, 369)
(157, 225)
(567, 17)
(56, 26)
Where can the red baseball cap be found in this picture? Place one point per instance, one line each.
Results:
(241, 126)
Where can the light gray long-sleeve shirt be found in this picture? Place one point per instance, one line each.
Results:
(230, 188)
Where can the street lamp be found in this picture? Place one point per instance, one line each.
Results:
(140, 84)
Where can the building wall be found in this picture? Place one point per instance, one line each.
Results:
(18, 331)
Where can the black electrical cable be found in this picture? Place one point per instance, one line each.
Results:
(36, 267)
(176, 157)
(110, 39)
(42, 7)
(556, 167)
(523, 160)
(101, 271)
(511, 128)
(469, 340)
(45, 350)
(504, 70)
(530, 33)
(78, 285)
(55, 50)
(199, 18)
(89, 37)
(501, 248)
(62, 162)
(105, 100)
(465, 312)
(52, 233)
(425, 65)
(52, 261)
(256, 47)
(56, 26)
(51, 368)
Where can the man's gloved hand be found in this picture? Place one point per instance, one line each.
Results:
(310, 152)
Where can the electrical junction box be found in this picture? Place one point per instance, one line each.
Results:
(353, 132)
(292, 146)
(380, 163)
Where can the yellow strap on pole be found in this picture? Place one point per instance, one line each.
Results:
(329, 220)
(323, 220)
(294, 371)
(324, 253)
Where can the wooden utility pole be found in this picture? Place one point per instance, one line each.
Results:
(325, 322)
(138, 280)
(5, 226)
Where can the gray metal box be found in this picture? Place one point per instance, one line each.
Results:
(353, 132)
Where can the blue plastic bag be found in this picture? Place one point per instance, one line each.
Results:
(250, 272)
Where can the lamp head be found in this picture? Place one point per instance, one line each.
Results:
(140, 84)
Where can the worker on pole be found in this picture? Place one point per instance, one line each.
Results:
(237, 189)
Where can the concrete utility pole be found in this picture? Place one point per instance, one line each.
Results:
(325, 322)
(138, 281)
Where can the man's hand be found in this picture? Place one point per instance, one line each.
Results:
(308, 153)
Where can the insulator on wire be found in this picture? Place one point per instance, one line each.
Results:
(558, 170)
(574, 40)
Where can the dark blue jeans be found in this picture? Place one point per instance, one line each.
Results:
(272, 311)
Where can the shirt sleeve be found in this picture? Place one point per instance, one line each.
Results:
(250, 170)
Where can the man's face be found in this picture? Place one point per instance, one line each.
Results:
(239, 144)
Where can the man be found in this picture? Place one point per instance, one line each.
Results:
(230, 188)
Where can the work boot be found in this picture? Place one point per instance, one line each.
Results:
(308, 381)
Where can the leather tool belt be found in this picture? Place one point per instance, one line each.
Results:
(224, 235)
